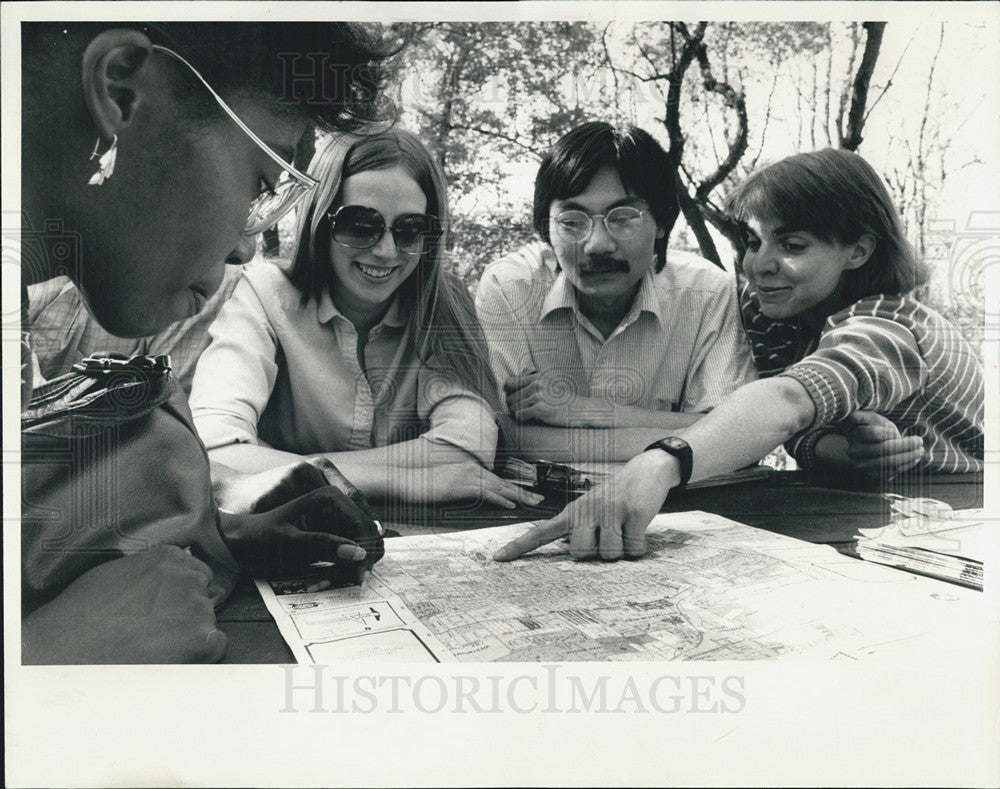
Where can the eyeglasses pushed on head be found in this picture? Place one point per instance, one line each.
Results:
(292, 186)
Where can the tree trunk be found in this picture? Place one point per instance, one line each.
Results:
(693, 216)
(859, 98)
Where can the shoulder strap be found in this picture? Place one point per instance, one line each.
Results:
(102, 390)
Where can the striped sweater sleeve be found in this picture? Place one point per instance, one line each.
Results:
(862, 363)
(895, 356)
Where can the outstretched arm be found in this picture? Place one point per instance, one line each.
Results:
(611, 520)
(590, 445)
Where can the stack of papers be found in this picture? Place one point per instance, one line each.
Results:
(950, 545)
(544, 475)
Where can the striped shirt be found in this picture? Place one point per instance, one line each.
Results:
(887, 354)
(679, 348)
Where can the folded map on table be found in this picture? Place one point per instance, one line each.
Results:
(951, 545)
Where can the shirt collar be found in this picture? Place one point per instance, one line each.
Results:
(326, 311)
(646, 300)
(562, 296)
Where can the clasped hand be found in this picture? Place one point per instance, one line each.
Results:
(876, 447)
(279, 522)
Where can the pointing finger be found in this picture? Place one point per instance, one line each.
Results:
(539, 535)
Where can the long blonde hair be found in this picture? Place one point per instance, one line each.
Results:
(442, 326)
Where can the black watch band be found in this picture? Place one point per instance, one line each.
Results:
(681, 450)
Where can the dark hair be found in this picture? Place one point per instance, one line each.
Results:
(330, 72)
(442, 320)
(837, 196)
(641, 163)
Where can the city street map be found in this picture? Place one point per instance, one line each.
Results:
(708, 589)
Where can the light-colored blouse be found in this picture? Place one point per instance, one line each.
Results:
(285, 374)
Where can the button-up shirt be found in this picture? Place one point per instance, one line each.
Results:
(286, 374)
(679, 348)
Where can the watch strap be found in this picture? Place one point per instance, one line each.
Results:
(681, 450)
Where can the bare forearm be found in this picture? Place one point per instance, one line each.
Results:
(628, 416)
(748, 424)
(581, 444)
(378, 471)
(375, 471)
(611, 520)
(246, 459)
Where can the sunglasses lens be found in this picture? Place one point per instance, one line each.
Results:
(409, 231)
(358, 227)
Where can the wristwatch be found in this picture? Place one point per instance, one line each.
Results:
(681, 450)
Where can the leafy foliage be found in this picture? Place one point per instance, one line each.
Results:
(490, 98)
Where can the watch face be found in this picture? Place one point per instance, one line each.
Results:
(673, 442)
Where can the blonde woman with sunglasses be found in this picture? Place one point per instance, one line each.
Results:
(363, 350)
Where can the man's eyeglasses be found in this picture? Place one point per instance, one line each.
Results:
(360, 227)
(621, 223)
(274, 201)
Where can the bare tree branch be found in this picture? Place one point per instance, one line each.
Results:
(842, 104)
(497, 135)
(764, 126)
(892, 76)
(736, 101)
(672, 123)
(921, 162)
(675, 79)
(829, 83)
(607, 56)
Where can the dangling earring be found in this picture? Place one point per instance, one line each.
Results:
(106, 162)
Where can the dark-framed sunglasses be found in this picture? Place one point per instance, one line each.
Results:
(361, 227)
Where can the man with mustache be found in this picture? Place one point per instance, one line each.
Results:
(597, 333)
